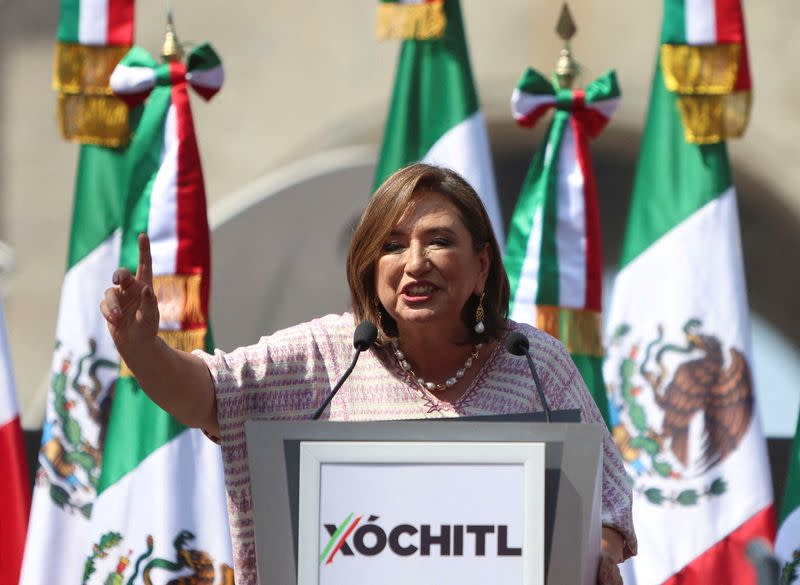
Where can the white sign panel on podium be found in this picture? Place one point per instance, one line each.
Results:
(418, 512)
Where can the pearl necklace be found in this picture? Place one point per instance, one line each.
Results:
(431, 386)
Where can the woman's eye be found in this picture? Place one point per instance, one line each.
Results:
(392, 246)
(441, 242)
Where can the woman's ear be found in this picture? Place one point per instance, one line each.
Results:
(485, 263)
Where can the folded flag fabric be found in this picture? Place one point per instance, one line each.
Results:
(554, 254)
(151, 462)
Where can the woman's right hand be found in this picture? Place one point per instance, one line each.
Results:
(130, 307)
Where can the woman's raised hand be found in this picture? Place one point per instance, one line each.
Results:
(130, 307)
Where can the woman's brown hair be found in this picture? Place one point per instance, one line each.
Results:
(392, 199)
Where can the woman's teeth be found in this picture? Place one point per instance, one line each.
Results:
(416, 291)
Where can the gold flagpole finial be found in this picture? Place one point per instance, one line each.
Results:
(172, 49)
(566, 67)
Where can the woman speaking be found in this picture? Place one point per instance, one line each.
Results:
(425, 267)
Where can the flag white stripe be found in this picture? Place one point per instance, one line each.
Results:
(607, 107)
(701, 22)
(713, 229)
(93, 22)
(212, 78)
(571, 225)
(465, 149)
(8, 394)
(522, 104)
(788, 539)
(55, 539)
(524, 309)
(162, 224)
(127, 80)
(137, 505)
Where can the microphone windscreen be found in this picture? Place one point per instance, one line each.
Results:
(365, 335)
(517, 343)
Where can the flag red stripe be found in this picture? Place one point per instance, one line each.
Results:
(594, 245)
(15, 500)
(194, 249)
(120, 22)
(743, 81)
(726, 561)
(729, 21)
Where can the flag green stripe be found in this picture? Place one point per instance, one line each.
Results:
(549, 280)
(591, 370)
(519, 232)
(99, 195)
(791, 497)
(100, 189)
(137, 428)
(674, 179)
(202, 58)
(146, 152)
(674, 28)
(538, 191)
(68, 21)
(434, 92)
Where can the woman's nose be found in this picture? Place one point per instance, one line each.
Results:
(417, 259)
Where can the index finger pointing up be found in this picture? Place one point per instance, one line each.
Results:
(145, 270)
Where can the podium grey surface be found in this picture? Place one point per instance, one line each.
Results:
(573, 484)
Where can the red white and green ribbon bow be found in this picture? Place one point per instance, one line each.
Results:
(704, 60)
(167, 195)
(553, 256)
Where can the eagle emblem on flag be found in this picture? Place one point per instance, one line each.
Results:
(72, 441)
(681, 408)
(198, 563)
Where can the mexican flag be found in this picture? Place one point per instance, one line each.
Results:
(84, 371)
(678, 361)
(160, 511)
(15, 496)
(787, 544)
(435, 116)
(554, 254)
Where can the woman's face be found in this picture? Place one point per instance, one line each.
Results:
(428, 267)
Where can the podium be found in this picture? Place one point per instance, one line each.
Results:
(302, 470)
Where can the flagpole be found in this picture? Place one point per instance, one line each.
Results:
(172, 49)
(567, 68)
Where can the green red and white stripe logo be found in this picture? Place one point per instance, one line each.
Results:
(338, 538)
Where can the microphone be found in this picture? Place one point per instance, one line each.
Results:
(365, 335)
(517, 344)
